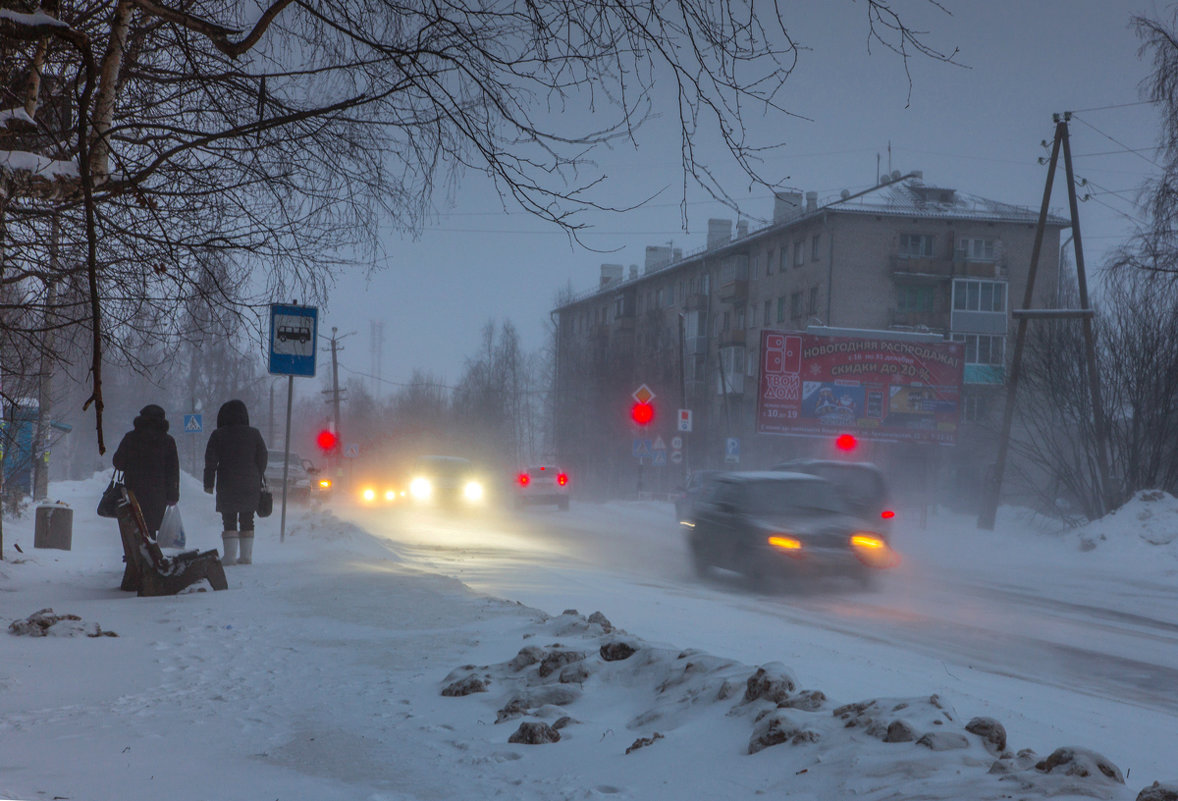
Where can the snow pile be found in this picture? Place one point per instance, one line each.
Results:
(577, 680)
(1149, 518)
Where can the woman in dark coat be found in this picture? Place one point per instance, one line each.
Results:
(235, 462)
(151, 468)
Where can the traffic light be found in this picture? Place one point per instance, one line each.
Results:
(642, 413)
(846, 443)
(327, 440)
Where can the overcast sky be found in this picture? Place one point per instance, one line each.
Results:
(977, 127)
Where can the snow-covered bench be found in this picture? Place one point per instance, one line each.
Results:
(149, 570)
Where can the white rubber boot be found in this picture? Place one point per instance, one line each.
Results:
(247, 548)
(229, 540)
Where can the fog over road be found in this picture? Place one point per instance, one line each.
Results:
(967, 613)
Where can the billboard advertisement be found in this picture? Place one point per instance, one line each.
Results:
(870, 386)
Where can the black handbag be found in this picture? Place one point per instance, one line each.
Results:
(265, 501)
(112, 496)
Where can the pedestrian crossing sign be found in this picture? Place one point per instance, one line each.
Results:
(193, 424)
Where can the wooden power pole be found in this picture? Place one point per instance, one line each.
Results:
(993, 486)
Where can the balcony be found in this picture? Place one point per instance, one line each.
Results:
(697, 301)
(919, 265)
(965, 267)
(914, 319)
(735, 291)
(732, 338)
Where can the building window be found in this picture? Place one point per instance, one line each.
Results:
(916, 246)
(769, 262)
(983, 348)
(756, 267)
(765, 317)
(976, 249)
(795, 305)
(784, 260)
(814, 248)
(752, 315)
(812, 306)
(781, 309)
(973, 407)
(915, 298)
(987, 296)
(799, 253)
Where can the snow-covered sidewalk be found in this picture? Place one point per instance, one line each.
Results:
(332, 670)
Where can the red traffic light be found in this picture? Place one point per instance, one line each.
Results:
(846, 442)
(327, 439)
(642, 413)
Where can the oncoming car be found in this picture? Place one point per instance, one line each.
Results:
(380, 492)
(771, 525)
(542, 484)
(298, 480)
(446, 481)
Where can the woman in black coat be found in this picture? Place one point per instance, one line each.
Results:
(151, 467)
(235, 462)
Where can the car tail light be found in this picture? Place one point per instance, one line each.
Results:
(524, 479)
(887, 514)
(562, 479)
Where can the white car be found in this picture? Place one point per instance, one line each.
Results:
(542, 484)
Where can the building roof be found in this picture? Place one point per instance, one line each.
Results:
(905, 196)
(914, 198)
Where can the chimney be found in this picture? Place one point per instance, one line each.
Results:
(719, 233)
(742, 229)
(677, 254)
(786, 205)
(811, 202)
(633, 271)
(610, 274)
(657, 257)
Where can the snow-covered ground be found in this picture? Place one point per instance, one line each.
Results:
(394, 658)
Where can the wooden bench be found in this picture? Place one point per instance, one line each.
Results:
(149, 570)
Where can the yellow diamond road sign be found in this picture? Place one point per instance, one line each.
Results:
(643, 394)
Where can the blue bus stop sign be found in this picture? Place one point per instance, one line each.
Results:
(294, 332)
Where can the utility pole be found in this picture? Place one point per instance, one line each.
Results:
(1085, 314)
(335, 392)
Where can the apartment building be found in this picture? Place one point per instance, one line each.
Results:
(905, 257)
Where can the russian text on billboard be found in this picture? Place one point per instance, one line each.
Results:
(877, 388)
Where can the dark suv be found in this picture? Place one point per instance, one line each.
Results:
(770, 524)
(687, 497)
(861, 484)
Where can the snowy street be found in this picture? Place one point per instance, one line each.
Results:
(320, 672)
(965, 610)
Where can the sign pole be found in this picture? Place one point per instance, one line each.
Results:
(286, 457)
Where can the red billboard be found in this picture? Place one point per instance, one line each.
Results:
(871, 386)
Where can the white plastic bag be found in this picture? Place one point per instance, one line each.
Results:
(171, 529)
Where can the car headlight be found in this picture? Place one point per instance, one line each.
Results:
(325, 483)
(473, 491)
(873, 550)
(368, 494)
(390, 495)
(421, 488)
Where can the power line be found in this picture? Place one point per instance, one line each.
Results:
(1114, 105)
(1117, 142)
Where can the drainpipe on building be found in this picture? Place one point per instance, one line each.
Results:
(829, 269)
